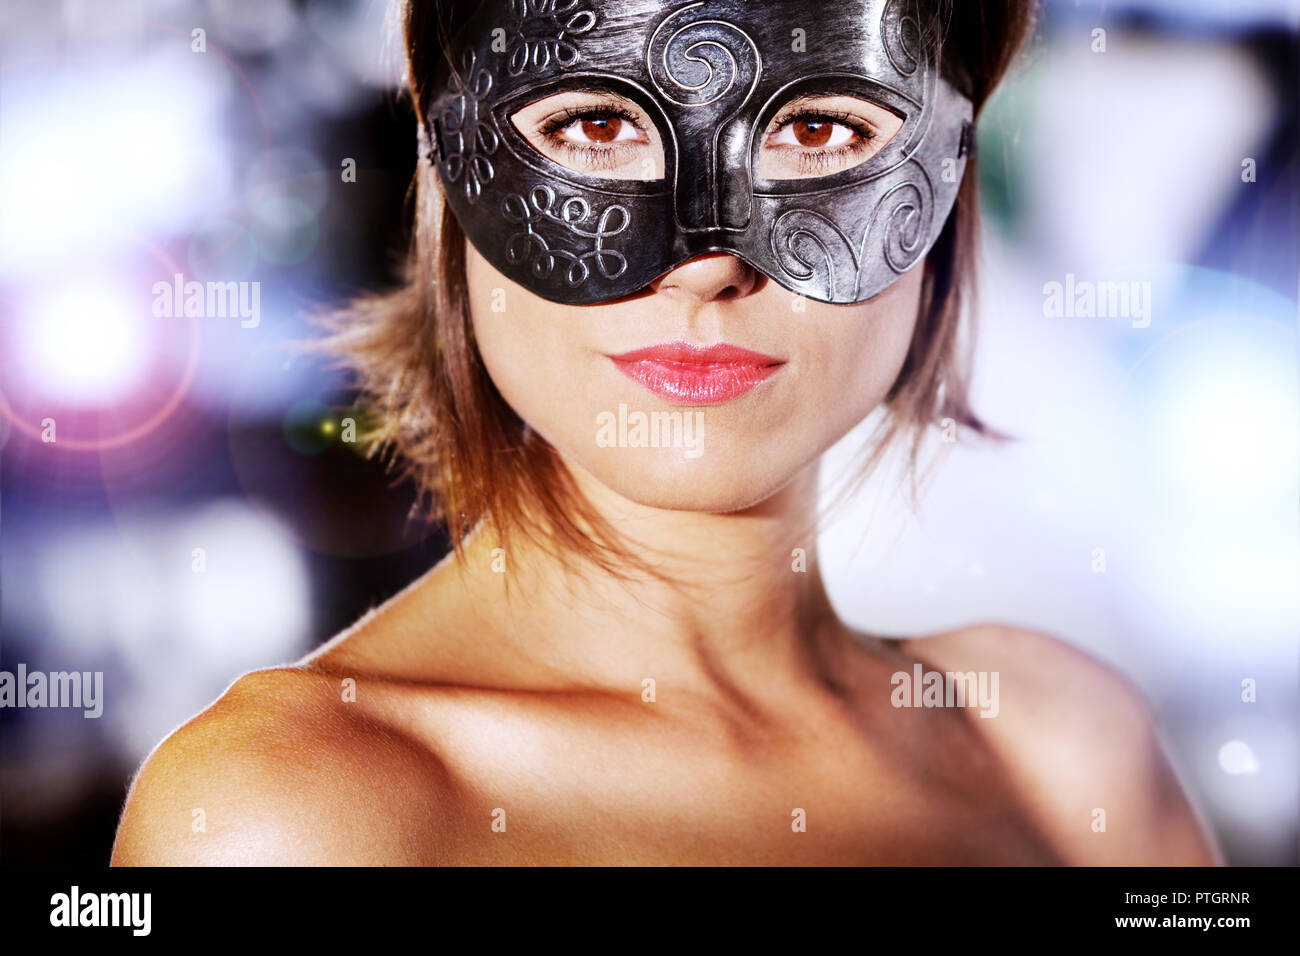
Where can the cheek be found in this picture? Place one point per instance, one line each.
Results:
(531, 350)
(862, 351)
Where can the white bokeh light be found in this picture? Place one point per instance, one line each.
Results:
(94, 153)
(1236, 758)
(85, 343)
(1226, 420)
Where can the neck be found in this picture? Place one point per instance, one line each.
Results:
(740, 607)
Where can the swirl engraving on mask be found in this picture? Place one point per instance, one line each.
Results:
(701, 60)
(530, 246)
(903, 217)
(900, 34)
(468, 136)
(797, 233)
(542, 33)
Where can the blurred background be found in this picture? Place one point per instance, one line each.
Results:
(199, 513)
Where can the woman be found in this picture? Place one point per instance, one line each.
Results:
(666, 255)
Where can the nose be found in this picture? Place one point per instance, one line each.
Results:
(713, 277)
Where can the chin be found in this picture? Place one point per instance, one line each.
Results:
(667, 479)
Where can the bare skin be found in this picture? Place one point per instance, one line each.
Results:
(470, 704)
(500, 714)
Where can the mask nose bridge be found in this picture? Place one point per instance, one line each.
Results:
(705, 71)
(713, 182)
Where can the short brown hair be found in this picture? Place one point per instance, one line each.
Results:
(442, 422)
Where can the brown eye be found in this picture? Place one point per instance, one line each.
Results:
(819, 135)
(595, 132)
(812, 132)
(602, 130)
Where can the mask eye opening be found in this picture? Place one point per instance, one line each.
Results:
(892, 118)
(813, 136)
(593, 131)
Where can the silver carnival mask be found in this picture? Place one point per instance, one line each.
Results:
(711, 76)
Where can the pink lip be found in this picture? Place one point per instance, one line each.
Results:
(690, 375)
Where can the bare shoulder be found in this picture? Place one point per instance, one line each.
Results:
(284, 770)
(1082, 744)
(342, 758)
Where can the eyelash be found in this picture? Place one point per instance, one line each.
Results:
(594, 157)
(816, 161)
(810, 161)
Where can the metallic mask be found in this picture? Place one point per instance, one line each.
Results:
(711, 75)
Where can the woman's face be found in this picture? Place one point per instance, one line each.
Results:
(714, 387)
